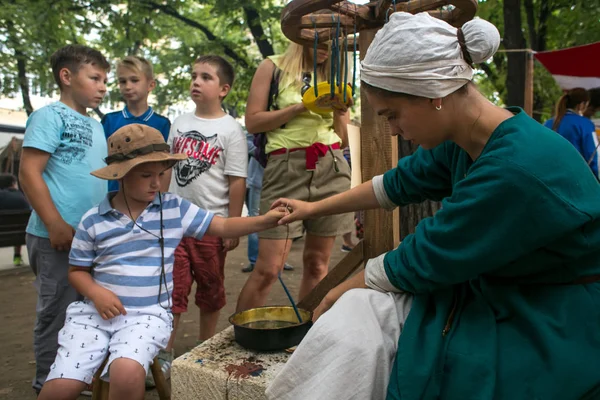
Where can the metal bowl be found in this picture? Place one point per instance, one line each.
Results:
(270, 328)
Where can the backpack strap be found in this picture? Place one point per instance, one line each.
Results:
(274, 89)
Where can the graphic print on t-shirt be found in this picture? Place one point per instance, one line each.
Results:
(202, 151)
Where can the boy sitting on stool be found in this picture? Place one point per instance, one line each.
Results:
(129, 240)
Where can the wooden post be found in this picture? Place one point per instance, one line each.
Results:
(379, 153)
(529, 68)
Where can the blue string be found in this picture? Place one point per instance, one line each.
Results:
(339, 54)
(345, 69)
(316, 89)
(354, 70)
(333, 64)
(290, 298)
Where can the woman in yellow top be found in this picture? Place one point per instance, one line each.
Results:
(304, 162)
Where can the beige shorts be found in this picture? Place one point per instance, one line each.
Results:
(286, 176)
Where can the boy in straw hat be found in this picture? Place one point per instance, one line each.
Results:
(128, 241)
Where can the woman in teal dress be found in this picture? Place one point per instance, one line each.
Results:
(497, 296)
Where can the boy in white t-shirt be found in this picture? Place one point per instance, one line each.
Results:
(214, 178)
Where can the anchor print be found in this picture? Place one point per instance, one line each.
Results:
(61, 375)
(82, 345)
(53, 366)
(91, 316)
(77, 366)
(149, 318)
(85, 327)
(140, 337)
(71, 337)
(67, 356)
(69, 319)
(136, 351)
(97, 326)
(147, 326)
(102, 351)
(96, 337)
(91, 356)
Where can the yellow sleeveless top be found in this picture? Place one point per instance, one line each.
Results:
(305, 129)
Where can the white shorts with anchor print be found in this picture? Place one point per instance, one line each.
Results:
(86, 339)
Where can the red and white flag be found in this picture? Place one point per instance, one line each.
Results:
(575, 67)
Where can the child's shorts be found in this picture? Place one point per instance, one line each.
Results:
(202, 261)
(86, 338)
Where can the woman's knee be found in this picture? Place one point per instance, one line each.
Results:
(316, 261)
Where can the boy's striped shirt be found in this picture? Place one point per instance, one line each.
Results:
(127, 260)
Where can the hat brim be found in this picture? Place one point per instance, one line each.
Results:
(118, 170)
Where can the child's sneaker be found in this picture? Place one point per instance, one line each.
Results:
(17, 260)
(165, 359)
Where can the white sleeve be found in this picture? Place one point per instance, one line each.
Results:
(236, 153)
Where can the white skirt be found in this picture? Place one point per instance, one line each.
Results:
(349, 352)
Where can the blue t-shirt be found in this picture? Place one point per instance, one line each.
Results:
(111, 122)
(581, 132)
(77, 146)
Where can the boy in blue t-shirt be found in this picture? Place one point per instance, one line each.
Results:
(62, 145)
(136, 81)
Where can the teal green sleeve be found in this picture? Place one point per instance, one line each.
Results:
(424, 175)
(496, 215)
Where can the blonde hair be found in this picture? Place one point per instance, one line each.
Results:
(298, 59)
(137, 64)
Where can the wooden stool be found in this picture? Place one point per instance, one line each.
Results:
(100, 387)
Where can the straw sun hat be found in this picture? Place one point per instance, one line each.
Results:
(133, 145)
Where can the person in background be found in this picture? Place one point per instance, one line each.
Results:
(305, 161)
(62, 145)
(594, 105)
(135, 76)
(11, 198)
(253, 188)
(570, 123)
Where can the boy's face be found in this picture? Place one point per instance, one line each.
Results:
(142, 183)
(134, 86)
(206, 86)
(87, 86)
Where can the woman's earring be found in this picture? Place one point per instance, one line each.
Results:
(438, 107)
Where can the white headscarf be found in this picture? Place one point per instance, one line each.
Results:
(420, 55)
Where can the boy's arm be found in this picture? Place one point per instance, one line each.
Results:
(105, 301)
(237, 193)
(33, 164)
(242, 226)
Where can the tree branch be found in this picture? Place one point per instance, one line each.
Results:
(529, 11)
(255, 25)
(209, 35)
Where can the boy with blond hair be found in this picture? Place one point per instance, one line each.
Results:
(214, 178)
(135, 76)
(62, 145)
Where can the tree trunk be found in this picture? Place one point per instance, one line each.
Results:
(256, 28)
(517, 61)
(23, 82)
(411, 215)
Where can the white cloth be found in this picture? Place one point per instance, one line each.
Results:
(86, 338)
(349, 352)
(216, 149)
(420, 55)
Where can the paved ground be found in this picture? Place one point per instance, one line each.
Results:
(17, 313)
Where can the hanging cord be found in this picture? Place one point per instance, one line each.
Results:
(345, 53)
(316, 89)
(333, 62)
(339, 54)
(161, 241)
(354, 57)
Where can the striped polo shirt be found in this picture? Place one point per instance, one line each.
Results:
(127, 260)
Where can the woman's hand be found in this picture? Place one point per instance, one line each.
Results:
(296, 210)
(107, 303)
